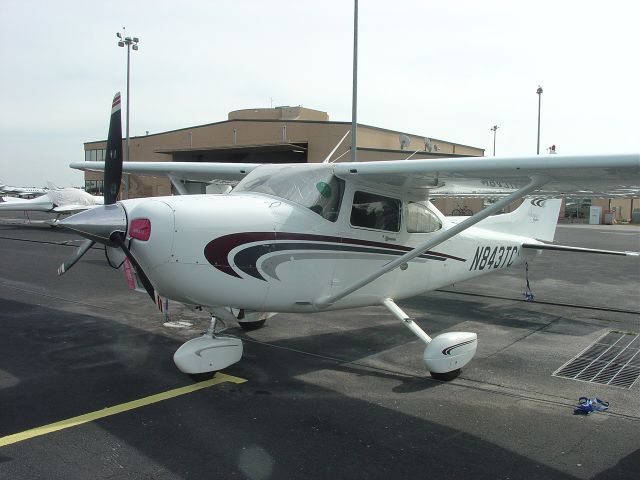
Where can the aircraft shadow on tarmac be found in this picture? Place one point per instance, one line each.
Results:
(275, 426)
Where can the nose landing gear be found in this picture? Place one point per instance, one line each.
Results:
(208, 353)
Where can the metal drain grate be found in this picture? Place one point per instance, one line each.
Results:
(614, 360)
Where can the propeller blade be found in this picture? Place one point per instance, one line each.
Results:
(113, 158)
(99, 225)
(71, 261)
(146, 283)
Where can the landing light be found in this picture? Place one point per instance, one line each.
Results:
(140, 229)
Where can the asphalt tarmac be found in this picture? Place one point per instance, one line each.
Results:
(88, 388)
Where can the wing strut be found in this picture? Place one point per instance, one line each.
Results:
(536, 182)
(178, 185)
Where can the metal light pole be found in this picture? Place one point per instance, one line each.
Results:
(539, 92)
(494, 129)
(129, 42)
(354, 98)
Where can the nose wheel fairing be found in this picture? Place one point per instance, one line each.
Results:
(208, 353)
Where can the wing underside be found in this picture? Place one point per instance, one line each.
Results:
(186, 171)
(569, 176)
(594, 176)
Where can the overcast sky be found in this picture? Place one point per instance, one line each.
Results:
(449, 70)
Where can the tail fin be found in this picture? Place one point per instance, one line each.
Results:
(535, 218)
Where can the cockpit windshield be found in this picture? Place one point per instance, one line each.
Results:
(312, 186)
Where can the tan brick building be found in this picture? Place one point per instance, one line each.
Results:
(291, 134)
(267, 135)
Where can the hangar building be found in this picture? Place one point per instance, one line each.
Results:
(294, 134)
(266, 135)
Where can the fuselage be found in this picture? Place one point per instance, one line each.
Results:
(260, 251)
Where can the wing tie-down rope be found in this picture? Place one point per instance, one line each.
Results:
(527, 294)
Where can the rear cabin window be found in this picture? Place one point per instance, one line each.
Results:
(376, 211)
(421, 220)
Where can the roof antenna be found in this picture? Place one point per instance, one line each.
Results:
(428, 144)
(405, 141)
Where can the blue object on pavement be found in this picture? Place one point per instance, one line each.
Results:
(588, 405)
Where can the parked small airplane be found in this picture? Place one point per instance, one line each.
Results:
(22, 192)
(58, 201)
(303, 238)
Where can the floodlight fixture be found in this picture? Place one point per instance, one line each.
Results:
(539, 92)
(128, 42)
(494, 129)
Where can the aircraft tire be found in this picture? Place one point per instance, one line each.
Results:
(446, 376)
(248, 326)
(201, 377)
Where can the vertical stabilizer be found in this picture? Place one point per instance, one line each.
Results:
(535, 218)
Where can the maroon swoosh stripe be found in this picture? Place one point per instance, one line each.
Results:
(217, 251)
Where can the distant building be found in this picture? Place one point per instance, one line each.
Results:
(267, 135)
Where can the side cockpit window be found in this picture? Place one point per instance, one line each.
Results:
(421, 220)
(329, 197)
(377, 212)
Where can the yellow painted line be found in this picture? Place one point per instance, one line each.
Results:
(123, 407)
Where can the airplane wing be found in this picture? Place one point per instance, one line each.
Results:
(591, 176)
(470, 189)
(39, 204)
(190, 171)
(72, 208)
(9, 199)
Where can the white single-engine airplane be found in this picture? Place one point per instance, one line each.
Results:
(57, 201)
(303, 238)
(22, 191)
